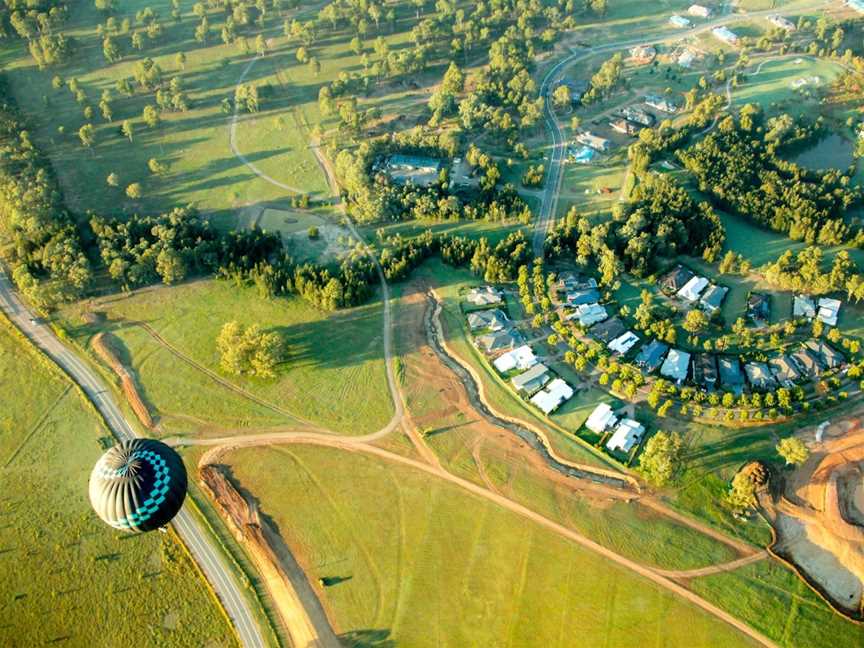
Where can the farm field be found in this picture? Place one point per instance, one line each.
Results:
(334, 375)
(66, 576)
(400, 575)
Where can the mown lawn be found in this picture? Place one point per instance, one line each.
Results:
(66, 577)
(334, 375)
(418, 562)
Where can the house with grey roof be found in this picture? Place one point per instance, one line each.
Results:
(731, 376)
(705, 370)
(583, 296)
(784, 370)
(808, 362)
(759, 376)
(803, 306)
(651, 356)
(759, 308)
(500, 341)
(713, 297)
(675, 279)
(608, 330)
(494, 320)
(676, 365)
(532, 380)
(831, 358)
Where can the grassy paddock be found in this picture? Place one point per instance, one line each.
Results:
(67, 576)
(334, 374)
(490, 579)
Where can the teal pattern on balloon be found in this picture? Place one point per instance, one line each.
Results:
(138, 485)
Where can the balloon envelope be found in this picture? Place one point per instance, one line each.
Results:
(138, 485)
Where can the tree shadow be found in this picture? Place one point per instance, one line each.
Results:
(379, 638)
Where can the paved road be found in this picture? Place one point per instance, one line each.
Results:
(200, 545)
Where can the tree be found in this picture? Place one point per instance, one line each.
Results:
(150, 116)
(695, 321)
(171, 266)
(110, 50)
(793, 450)
(127, 129)
(156, 167)
(562, 97)
(113, 180)
(87, 135)
(661, 457)
(180, 60)
(134, 191)
(742, 496)
(249, 350)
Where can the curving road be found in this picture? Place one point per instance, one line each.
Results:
(199, 543)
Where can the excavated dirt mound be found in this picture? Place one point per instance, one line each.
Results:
(819, 515)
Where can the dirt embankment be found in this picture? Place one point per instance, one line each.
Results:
(102, 345)
(296, 603)
(818, 517)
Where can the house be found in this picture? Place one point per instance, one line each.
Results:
(484, 296)
(637, 116)
(681, 21)
(608, 330)
(686, 59)
(699, 10)
(643, 54)
(693, 288)
(532, 380)
(626, 435)
(500, 341)
(594, 141)
(601, 419)
(551, 398)
(705, 370)
(830, 357)
(809, 363)
(803, 306)
(759, 376)
(726, 35)
(782, 23)
(623, 343)
(731, 376)
(463, 174)
(713, 298)
(784, 370)
(584, 155)
(829, 310)
(521, 358)
(676, 365)
(759, 308)
(651, 356)
(583, 296)
(624, 127)
(590, 314)
(660, 103)
(569, 281)
(418, 170)
(675, 280)
(494, 320)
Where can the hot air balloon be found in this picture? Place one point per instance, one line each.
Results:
(138, 485)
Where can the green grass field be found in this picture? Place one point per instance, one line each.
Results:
(67, 577)
(423, 564)
(334, 374)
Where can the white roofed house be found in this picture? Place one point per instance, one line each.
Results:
(623, 343)
(726, 35)
(552, 396)
(686, 59)
(693, 289)
(676, 365)
(589, 314)
(782, 23)
(803, 306)
(626, 435)
(601, 419)
(829, 311)
(681, 21)
(521, 358)
(484, 296)
(699, 10)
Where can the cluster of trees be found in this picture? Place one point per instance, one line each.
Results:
(39, 238)
(661, 457)
(37, 22)
(249, 350)
(605, 80)
(661, 220)
(373, 195)
(804, 272)
(741, 170)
